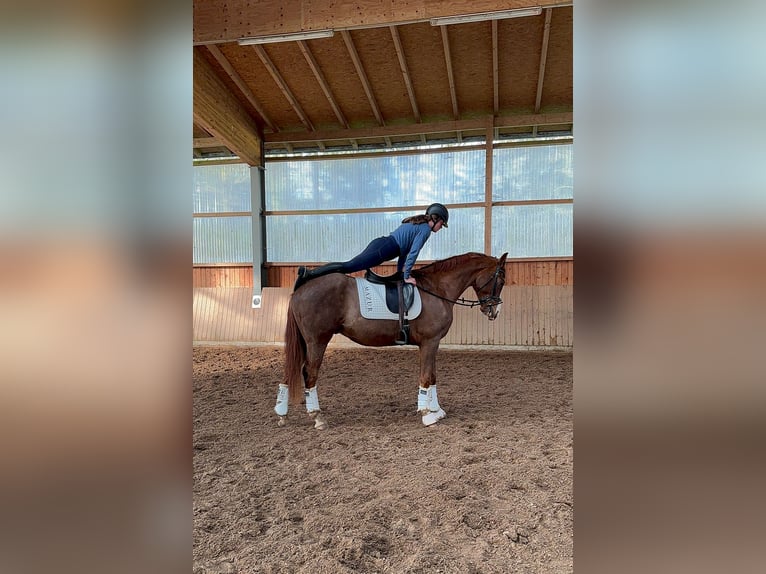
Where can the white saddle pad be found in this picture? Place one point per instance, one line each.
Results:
(372, 301)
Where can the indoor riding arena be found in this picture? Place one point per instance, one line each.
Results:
(318, 127)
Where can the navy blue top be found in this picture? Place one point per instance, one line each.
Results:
(410, 237)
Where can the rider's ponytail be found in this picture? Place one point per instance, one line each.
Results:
(417, 219)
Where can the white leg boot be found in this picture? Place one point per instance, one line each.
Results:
(282, 400)
(312, 408)
(312, 399)
(433, 411)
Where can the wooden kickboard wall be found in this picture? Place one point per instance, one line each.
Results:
(531, 316)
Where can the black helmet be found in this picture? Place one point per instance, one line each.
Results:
(440, 211)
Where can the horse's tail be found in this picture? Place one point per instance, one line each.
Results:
(295, 357)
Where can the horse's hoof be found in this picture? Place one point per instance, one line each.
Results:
(319, 421)
(282, 421)
(433, 417)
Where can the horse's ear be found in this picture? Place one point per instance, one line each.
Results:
(502, 259)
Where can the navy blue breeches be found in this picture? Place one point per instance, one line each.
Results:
(379, 250)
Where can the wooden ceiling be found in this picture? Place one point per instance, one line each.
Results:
(386, 77)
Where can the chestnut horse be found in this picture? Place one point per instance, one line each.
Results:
(330, 304)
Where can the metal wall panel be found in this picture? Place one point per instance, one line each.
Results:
(223, 240)
(453, 177)
(533, 230)
(308, 238)
(221, 188)
(533, 172)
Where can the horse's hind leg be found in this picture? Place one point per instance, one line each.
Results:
(314, 356)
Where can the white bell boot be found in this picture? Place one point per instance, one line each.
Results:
(434, 411)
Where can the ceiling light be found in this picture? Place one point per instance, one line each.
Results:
(482, 16)
(312, 35)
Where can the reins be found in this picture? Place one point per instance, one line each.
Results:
(492, 299)
(459, 301)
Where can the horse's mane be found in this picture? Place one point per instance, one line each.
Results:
(447, 264)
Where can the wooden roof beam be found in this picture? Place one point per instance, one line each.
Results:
(282, 85)
(311, 61)
(222, 115)
(206, 143)
(229, 69)
(527, 120)
(543, 59)
(362, 75)
(450, 74)
(405, 72)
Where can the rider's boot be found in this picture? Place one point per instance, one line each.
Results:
(308, 274)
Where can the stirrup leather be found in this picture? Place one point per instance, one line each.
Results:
(404, 328)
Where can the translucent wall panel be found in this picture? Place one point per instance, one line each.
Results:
(221, 188)
(308, 238)
(532, 230)
(535, 172)
(455, 177)
(223, 240)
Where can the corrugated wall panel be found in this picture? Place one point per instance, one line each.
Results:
(531, 316)
(223, 240)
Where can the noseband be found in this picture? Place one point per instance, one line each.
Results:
(492, 299)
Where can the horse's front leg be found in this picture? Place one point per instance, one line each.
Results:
(428, 402)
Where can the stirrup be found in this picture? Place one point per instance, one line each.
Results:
(404, 336)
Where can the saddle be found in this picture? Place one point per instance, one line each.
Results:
(399, 299)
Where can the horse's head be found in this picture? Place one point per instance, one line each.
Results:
(488, 285)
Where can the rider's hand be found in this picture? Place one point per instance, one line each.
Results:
(411, 280)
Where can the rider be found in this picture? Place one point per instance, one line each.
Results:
(405, 242)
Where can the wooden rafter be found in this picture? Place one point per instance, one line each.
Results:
(317, 71)
(405, 71)
(229, 69)
(495, 70)
(450, 74)
(362, 75)
(543, 58)
(284, 88)
(311, 61)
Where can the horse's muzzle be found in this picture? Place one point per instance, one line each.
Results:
(492, 310)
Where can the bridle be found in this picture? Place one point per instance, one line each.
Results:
(492, 300)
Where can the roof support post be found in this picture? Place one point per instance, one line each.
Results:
(489, 136)
(257, 202)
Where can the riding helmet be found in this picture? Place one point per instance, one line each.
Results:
(439, 210)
